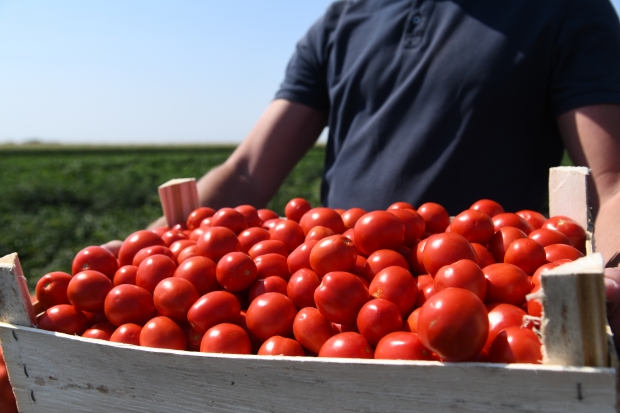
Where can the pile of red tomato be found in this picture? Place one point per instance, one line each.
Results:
(403, 283)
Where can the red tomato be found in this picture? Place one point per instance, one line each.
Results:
(125, 275)
(188, 253)
(502, 316)
(484, 256)
(128, 303)
(266, 214)
(362, 269)
(526, 254)
(270, 224)
(7, 398)
(301, 288)
(162, 332)
(193, 338)
(506, 283)
(213, 308)
(318, 233)
(378, 230)
(454, 324)
(347, 345)
(324, 217)
(217, 242)
(508, 219)
(426, 288)
(273, 284)
(488, 206)
(397, 285)
(63, 318)
(381, 259)
(281, 346)
(311, 329)
(271, 314)
(198, 232)
(96, 259)
(557, 252)
(412, 321)
(414, 224)
(335, 253)
(435, 216)
(200, 271)
(290, 233)
(154, 269)
(543, 268)
(236, 271)
(516, 345)
(134, 243)
(416, 258)
(340, 297)
(51, 289)
(378, 318)
(464, 274)
(268, 247)
(534, 218)
(226, 338)
(173, 298)
(178, 246)
(160, 230)
(534, 307)
(445, 249)
(229, 218)
(401, 205)
(195, 218)
(474, 226)
(172, 236)
(502, 239)
(127, 333)
(87, 290)
(101, 331)
(300, 258)
(252, 236)
(296, 208)
(94, 318)
(575, 233)
(546, 236)
(402, 345)
(144, 253)
(272, 264)
(250, 214)
(351, 216)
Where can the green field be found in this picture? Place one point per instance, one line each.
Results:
(56, 200)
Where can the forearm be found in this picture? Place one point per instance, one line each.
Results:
(607, 227)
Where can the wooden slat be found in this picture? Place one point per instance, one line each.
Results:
(179, 197)
(15, 305)
(58, 373)
(568, 193)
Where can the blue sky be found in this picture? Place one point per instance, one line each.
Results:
(141, 71)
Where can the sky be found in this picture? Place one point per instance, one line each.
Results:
(144, 72)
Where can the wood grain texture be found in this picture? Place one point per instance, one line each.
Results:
(15, 305)
(568, 194)
(58, 373)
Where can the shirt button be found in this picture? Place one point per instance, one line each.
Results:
(416, 19)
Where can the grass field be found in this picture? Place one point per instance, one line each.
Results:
(57, 200)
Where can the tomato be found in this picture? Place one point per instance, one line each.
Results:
(502, 316)
(347, 345)
(340, 297)
(464, 274)
(229, 218)
(51, 289)
(101, 331)
(7, 398)
(290, 233)
(526, 254)
(154, 269)
(557, 252)
(272, 264)
(454, 324)
(273, 284)
(88, 289)
(271, 314)
(296, 208)
(134, 243)
(198, 232)
(250, 214)
(163, 332)
(534, 307)
(412, 321)
(416, 258)
(426, 288)
(300, 258)
(378, 230)
(508, 219)
(266, 214)
(381, 259)
(94, 318)
(144, 253)
(334, 253)
(197, 216)
(351, 216)
(401, 205)
(575, 233)
(488, 206)
(484, 256)
(378, 318)
(516, 345)
(217, 242)
(325, 217)
(125, 275)
(444, 249)
(414, 224)
(436, 218)
(402, 345)
(362, 269)
(127, 333)
(172, 236)
(236, 271)
(534, 218)
(268, 247)
(546, 236)
(397, 285)
(311, 329)
(193, 338)
(226, 338)
(252, 236)
(543, 268)
(502, 239)
(474, 226)
(96, 259)
(301, 288)
(213, 308)
(173, 298)
(271, 223)
(63, 318)
(128, 303)
(506, 283)
(318, 233)
(281, 346)
(200, 271)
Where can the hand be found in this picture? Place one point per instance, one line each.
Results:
(113, 246)
(612, 296)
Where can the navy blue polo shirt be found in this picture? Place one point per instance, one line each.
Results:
(451, 101)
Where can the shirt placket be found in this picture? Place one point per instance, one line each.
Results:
(417, 21)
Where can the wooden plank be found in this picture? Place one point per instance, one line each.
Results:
(568, 194)
(54, 372)
(15, 305)
(179, 197)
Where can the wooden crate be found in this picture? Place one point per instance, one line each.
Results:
(54, 372)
